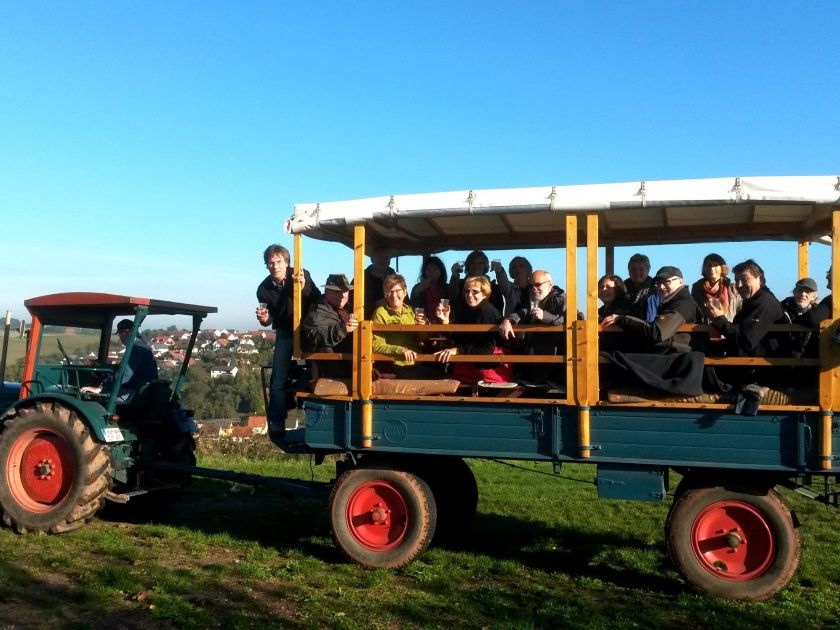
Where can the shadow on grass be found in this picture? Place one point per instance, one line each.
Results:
(213, 507)
(243, 512)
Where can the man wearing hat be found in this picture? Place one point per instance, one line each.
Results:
(796, 308)
(676, 307)
(328, 325)
(142, 366)
(276, 297)
(804, 298)
(747, 334)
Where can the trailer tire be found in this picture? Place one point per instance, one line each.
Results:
(734, 543)
(456, 496)
(53, 475)
(381, 517)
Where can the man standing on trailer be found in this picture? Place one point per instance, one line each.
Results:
(275, 295)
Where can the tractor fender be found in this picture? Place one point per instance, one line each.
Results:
(90, 412)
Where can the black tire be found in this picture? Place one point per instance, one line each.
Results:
(381, 517)
(734, 543)
(456, 496)
(53, 475)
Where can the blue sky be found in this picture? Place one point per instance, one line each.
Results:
(155, 148)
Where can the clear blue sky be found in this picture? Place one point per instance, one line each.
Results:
(155, 148)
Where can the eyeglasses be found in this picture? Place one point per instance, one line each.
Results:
(664, 283)
(537, 285)
(472, 291)
(396, 292)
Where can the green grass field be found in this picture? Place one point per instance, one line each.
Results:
(74, 344)
(544, 552)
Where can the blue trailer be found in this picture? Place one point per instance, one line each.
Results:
(729, 531)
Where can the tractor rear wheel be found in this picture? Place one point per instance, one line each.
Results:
(381, 517)
(53, 475)
(735, 543)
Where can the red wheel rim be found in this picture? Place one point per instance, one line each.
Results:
(40, 469)
(377, 515)
(733, 540)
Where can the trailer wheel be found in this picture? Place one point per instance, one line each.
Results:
(381, 517)
(456, 496)
(739, 544)
(53, 475)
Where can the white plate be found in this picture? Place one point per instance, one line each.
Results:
(497, 385)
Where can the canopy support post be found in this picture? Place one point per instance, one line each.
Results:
(297, 304)
(802, 256)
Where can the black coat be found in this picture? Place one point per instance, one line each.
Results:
(476, 343)
(747, 335)
(280, 299)
(661, 336)
(323, 329)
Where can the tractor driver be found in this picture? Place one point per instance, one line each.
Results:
(141, 366)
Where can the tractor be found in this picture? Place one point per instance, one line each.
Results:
(70, 440)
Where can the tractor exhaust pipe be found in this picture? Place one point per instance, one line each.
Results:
(6, 329)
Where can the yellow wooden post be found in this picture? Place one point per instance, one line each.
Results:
(576, 352)
(802, 256)
(829, 360)
(571, 304)
(592, 381)
(358, 296)
(365, 337)
(362, 340)
(297, 304)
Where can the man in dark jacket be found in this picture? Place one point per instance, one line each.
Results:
(548, 307)
(328, 326)
(747, 335)
(275, 296)
(796, 308)
(659, 355)
(675, 309)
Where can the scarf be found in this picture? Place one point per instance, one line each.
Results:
(720, 290)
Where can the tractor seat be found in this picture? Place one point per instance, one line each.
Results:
(149, 401)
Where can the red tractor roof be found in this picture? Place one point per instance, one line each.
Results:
(95, 310)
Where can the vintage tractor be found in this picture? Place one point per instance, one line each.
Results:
(70, 439)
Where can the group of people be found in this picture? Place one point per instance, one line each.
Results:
(740, 310)
(648, 309)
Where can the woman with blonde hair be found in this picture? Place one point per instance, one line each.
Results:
(476, 308)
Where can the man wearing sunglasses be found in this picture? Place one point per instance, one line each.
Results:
(548, 308)
(675, 309)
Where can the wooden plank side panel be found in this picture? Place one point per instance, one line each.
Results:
(712, 438)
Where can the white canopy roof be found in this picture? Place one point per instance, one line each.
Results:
(647, 212)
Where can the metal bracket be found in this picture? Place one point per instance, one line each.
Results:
(736, 189)
(642, 192)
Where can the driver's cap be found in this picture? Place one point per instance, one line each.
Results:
(124, 324)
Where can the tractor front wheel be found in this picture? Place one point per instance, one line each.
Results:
(739, 544)
(381, 517)
(53, 475)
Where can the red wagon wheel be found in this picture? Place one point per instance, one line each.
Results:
(740, 544)
(381, 517)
